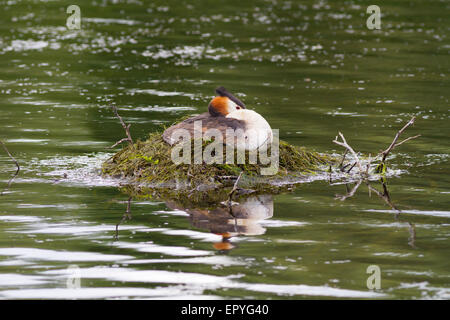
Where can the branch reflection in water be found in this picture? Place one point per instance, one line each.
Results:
(230, 218)
(383, 195)
(126, 215)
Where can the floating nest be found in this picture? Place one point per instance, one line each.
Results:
(149, 171)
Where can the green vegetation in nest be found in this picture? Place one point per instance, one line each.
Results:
(148, 163)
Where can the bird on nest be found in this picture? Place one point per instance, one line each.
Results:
(226, 112)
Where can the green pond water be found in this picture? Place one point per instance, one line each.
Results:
(311, 68)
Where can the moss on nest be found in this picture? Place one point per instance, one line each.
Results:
(148, 164)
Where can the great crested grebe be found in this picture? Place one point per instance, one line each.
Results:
(225, 111)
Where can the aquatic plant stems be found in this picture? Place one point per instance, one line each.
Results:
(125, 127)
(15, 161)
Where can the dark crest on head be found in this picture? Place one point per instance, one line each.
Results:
(221, 91)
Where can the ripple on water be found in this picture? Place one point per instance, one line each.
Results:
(172, 292)
(280, 223)
(157, 108)
(203, 236)
(23, 45)
(13, 279)
(73, 229)
(209, 260)
(54, 104)
(40, 141)
(112, 21)
(428, 291)
(160, 93)
(54, 255)
(209, 282)
(167, 250)
(434, 213)
(76, 170)
(18, 218)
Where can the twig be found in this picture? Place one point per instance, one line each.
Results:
(353, 165)
(342, 161)
(17, 164)
(230, 195)
(346, 145)
(394, 143)
(344, 167)
(118, 142)
(407, 139)
(125, 127)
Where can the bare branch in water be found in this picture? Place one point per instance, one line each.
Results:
(347, 146)
(381, 168)
(352, 166)
(119, 142)
(394, 143)
(407, 139)
(125, 127)
(230, 195)
(126, 215)
(17, 164)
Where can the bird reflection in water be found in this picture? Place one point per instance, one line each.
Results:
(231, 219)
(227, 219)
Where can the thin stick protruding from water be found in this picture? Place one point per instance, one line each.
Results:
(230, 195)
(15, 161)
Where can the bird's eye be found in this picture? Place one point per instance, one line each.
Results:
(238, 107)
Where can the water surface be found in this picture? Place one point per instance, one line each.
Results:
(312, 69)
